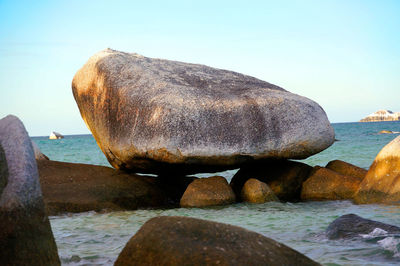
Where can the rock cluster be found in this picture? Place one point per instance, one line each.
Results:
(158, 116)
(382, 115)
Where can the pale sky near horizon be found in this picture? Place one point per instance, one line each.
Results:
(345, 55)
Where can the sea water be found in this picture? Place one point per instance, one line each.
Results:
(97, 238)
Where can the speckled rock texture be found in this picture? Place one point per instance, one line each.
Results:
(210, 191)
(25, 235)
(189, 241)
(351, 226)
(155, 116)
(255, 191)
(382, 182)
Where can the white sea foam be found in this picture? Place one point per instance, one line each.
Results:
(391, 244)
(375, 233)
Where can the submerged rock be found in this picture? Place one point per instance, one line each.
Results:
(209, 191)
(347, 169)
(382, 182)
(156, 116)
(352, 226)
(25, 235)
(255, 191)
(325, 184)
(189, 241)
(284, 177)
(73, 187)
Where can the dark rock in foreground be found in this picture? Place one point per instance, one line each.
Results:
(189, 241)
(72, 187)
(210, 191)
(382, 182)
(284, 177)
(25, 233)
(352, 226)
(157, 116)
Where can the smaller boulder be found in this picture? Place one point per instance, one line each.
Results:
(325, 184)
(188, 241)
(382, 182)
(255, 191)
(347, 169)
(55, 135)
(209, 191)
(353, 226)
(284, 177)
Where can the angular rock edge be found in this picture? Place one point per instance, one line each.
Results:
(154, 116)
(189, 241)
(25, 236)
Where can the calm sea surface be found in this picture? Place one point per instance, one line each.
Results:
(97, 238)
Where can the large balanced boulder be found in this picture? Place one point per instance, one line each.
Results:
(284, 177)
(72, 187)
(382, 182)
(209, 191)
(325, 184)
(156, 116)
(25, 233)
(353, 226)
(190, 241)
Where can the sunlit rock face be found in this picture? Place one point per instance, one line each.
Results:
(382, 182)
(154, 116)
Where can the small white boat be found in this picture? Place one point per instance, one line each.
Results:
(55, 135)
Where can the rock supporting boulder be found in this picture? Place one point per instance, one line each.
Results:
(284, 177)
(347, 169)
(255, 191)
(157, 116)
(25, 235)
(209, 191)
(382, 182)
(325, 184)
(352, 226)
(189, 241)
(72, 187)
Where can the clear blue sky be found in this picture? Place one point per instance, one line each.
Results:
(345, 55)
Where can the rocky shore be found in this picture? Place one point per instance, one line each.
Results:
(382, 115)
(173, 119)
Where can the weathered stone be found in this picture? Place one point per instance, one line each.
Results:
(209, 191)
(190, 241)
(284, 177)
(157, 116)
(255, 191)
(325, 184)
(38, 153)
(351, 226)
(347, 169)
(72, 187)
(382, 182)
(382, 115)
(25, 235)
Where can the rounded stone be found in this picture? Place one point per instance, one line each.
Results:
(209, 191)
(155, 116)
(255, 191)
